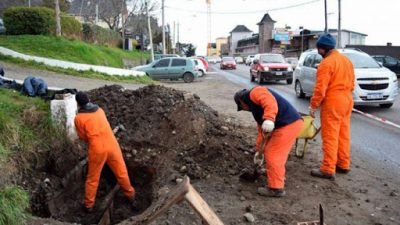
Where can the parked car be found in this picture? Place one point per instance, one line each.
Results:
(375, 84)
(2, 27)
(228, 63)
(249, 60)
(205, 63)
(389, 62)
(214, 59)
(292, 61)
(239, 60)
(161, 56)
(200, 67)
(270, 67)
(170, 68)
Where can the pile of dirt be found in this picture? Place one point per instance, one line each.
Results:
(173, 131)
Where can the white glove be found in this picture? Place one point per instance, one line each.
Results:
(268, 126)
(258, 158)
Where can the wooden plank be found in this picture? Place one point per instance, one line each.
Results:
(201, 207)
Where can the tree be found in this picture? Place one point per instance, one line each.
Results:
(189, 50)
(64, 4)
(58, 19)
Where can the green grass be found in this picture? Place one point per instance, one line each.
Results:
(78, 73)
(25, 126)
(69, 50)
(13, 204)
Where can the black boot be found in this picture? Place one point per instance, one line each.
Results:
(343, 171)
(318, 173)
(268, 192)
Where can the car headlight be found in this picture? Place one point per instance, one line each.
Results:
(266, 68)
(394, 77)
(290, 69)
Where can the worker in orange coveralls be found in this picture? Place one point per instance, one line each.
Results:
(333, 93)
(280, 123)
(92, 127)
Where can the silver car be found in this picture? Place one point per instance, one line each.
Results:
(375, 84)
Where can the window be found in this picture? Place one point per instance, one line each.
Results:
(196, 62)
(272, 59)
(178, 62)
(379, 59)
(317, 60)
(362, 61)
(308, 61)
(390, 61)
(162, 63)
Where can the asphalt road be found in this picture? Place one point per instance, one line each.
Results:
(370, 139)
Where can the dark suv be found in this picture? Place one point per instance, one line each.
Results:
(389, 62)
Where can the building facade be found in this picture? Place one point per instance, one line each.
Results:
(238, 33)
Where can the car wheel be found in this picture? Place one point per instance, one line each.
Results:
(386, 106)
(259, 80)
(188, 77)
(289, 81)
(299, 90)
(252, 78)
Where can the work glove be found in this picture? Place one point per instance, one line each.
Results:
(312, 112)
(258, 158)
(268, 126)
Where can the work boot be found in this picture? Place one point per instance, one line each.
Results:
(88, 210)
(343, 171)
(318, 173)
(269, 192)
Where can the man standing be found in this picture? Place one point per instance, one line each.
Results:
(279, 124)
(333, 93)
(92, 127)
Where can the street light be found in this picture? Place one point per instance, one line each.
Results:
(302, 33)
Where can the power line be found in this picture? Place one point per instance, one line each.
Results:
(245, 12)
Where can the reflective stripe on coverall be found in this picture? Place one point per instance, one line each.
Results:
(333, 92)
(103, 148)
(279, 144)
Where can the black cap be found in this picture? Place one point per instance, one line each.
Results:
(82, 98)
(238, 97)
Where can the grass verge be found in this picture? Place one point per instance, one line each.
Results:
(13, 204)
(69, 50)
(78, 73)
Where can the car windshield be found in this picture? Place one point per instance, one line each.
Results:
(361, 61)
(272, 59)
(228, 59)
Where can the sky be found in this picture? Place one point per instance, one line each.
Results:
(380, 20)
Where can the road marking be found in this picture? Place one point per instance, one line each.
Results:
(382, 120)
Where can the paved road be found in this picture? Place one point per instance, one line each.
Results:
(370, 139)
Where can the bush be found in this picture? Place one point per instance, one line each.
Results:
(98, 35)
(39, 20)
(13, 204)
(24, 20)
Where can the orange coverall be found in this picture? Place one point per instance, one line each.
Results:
(278, 145)
(333, 92)
(103, 148)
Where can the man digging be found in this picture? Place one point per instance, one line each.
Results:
(92, 126)
(280, 124)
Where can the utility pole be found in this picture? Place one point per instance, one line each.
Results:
(123, 24)
(302, 41)
(150, 34)
(339, 40)
(97, 14)
(163, 26)
(29, 3)
(326, 17)
(174, 39)
(58, 22)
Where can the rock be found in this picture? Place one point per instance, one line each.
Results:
(128, 155)
(183, 169)
(196, 96)
(242, 198)
(179, 180)
(159, 100)
(393, 194)
(249, 217)
(225, 128)
(315, 186)
(173, 132)
(249, 208)
(134, 152)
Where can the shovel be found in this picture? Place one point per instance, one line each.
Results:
(253, 176)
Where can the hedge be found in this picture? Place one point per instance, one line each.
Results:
(39, 20)
(98, 35)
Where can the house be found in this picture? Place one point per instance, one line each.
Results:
(248, 46)
(238, 33)
(265, 28)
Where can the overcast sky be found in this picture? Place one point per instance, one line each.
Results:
(380, 20)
